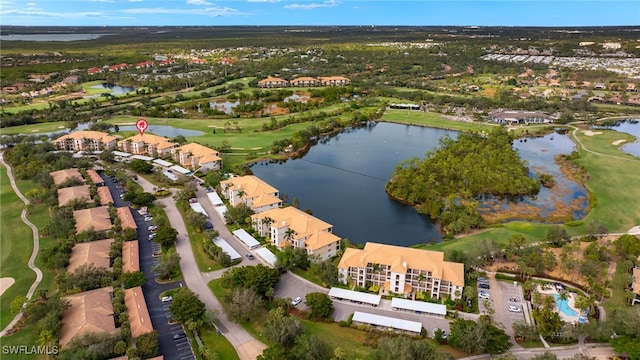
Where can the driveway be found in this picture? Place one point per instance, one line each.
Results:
(501, 293)
(246, 346)
(158, 311)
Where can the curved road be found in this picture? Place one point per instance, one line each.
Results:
(247, 347)
(36, 244)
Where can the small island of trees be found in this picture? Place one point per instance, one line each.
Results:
(447, 183)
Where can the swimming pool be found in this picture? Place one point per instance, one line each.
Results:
(563, 306)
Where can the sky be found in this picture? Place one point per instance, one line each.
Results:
(318, 12)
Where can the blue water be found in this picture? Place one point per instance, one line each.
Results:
(631, 127)
(563, 306)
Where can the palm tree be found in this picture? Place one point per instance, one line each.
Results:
(267, 221)
(289, 234)
(46, 338)
(420, 279)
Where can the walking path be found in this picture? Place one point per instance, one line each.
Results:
(247, 347)
(36, 244)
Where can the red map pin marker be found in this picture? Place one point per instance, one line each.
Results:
(142, 125)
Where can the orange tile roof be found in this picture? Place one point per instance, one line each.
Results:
(95, 177)
(90, 312)
(61, 176)
(636, 280)
(105, 195)
(150, 139)
(126, 218)
(400, 259)
(202, 153)
(130, 256)
(93, 252)
(87, 134)
(96, 218)
(139, 318)
(68, 194)
(251, 185)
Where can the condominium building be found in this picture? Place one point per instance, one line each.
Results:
(148, 144)
(195, 157)
(251, 191)
(402, 271)
(294, 227)
(85, 140)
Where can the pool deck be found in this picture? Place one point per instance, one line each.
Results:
(571, 302)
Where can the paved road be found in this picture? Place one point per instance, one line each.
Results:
(501, 292)
(246, 346)
(36, 244)
(158, 311)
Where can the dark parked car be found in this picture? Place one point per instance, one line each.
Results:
(484, 286)
(179, 335)
(249, 256)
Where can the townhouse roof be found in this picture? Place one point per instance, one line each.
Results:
(264, 200)
(316, 232)
(202, 153)
(158, 141)
(304, 78)
(130, 256)
(68, 194)
(510, 114)
(95, 177)
(139, 318)
(400, 259)
(96, 218)
(271, 79)
(251, 185)
(86, 134)
(93, 252)
(89, 312)
(636, 280)
(105, 195)
(61, 176)
(333, 78)
(126, 218)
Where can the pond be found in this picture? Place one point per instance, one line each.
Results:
(113, 89)
(51, 37)
(631, 127)
(342, 180)
(164, 130)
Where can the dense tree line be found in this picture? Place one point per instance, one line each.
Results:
(447, 182)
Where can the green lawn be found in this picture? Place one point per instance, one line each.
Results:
(16, 240)
(34, 129)
(432, 120)
(218, 344)
(617, 299)
(196, 239)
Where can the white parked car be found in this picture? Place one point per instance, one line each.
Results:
(148, 218)
(153, 228)
(513, 308)
(166, 298)
(484, 295)
(296, 301)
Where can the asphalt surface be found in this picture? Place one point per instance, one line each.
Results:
(158, 311)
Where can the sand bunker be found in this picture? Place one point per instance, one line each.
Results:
(5, 283)
(591, 133)
(125, 124)
(618, 142)
(36, 130)
(60, 127)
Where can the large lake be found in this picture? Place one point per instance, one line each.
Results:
(342, 180)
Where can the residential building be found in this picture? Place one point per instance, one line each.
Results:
(273, 82)
(139, 319)
(62, 176)
(92, 252)
(635, 283)
(251, 191)
(195, 157)
(144, 64)
(401, 270)
(126, 218)
(69, 194)
(197, 61)
(511, 117)
(147, 144)
(334, 81)
(305, 82)
(294, 227)
(94, 70)
(118, 67)
(95, 177)
(105, 195)
(130, 256)
(93, 218)
(85, 140)
(90, 312)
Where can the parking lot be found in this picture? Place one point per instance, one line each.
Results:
(506, 302)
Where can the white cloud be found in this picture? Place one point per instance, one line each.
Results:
(263, 1)
(210, 11)
(103, 1)
(199, 2)
(50, 14)
(324, 4)
(31, 4)
(136, 0)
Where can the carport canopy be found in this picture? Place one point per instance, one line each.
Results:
(421, 306)
(355, 296)
(389, 322)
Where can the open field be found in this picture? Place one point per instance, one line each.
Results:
(218, 344)
(431, 120)
(34, 129)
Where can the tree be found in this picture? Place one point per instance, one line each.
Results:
(628, 246)
(596, 230)
(166, 236)
(198, 220)
(187, 306)
(548, 322)
(326, 271)
(17, 303)
(275, 352)
(147, 345)
(282, 329)
(242, 304)
(524, 332)
(310, 347)
(557, 235)
(238, 214)
(133, 279)
(168, 265)
(259, 278)
(320, 304)
(403, 348)
(141, 166)
(478, 337)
